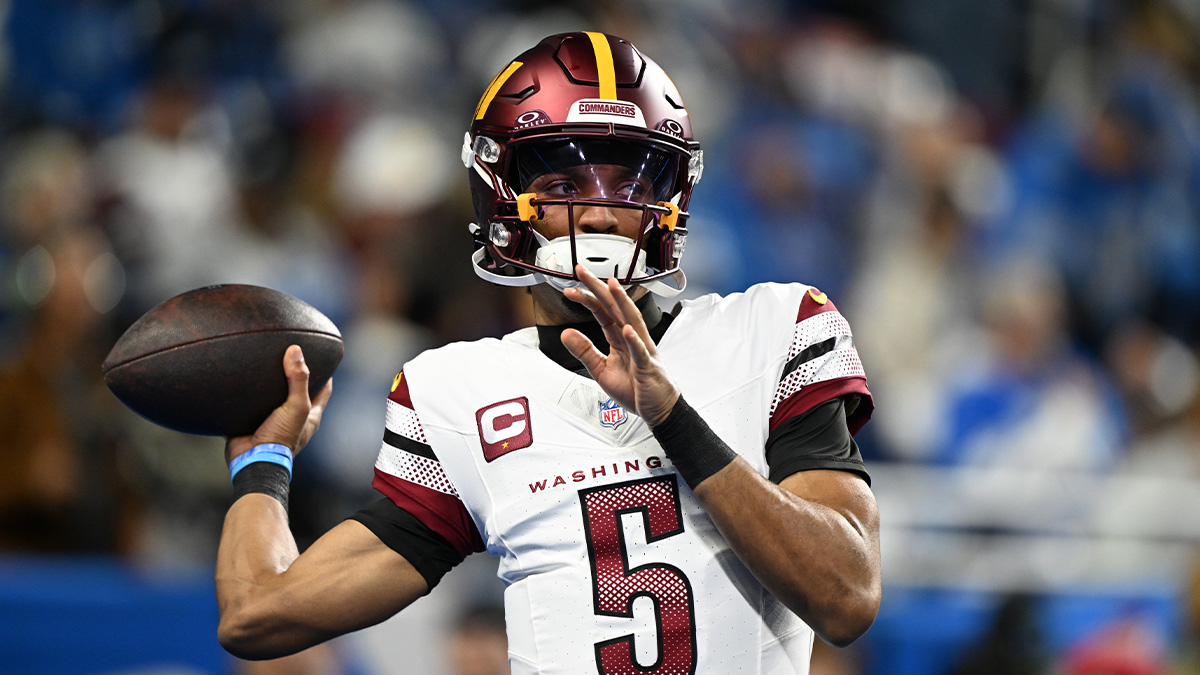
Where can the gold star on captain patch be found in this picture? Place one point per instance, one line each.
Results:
(504, 445)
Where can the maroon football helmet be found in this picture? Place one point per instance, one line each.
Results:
(575, 101)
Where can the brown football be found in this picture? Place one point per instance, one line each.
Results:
(210, 361)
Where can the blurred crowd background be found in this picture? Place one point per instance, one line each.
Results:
(1003, 197)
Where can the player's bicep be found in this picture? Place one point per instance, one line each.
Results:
(405, 533)
(842, 491)
(353, 579)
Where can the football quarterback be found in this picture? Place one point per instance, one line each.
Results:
(671, 492)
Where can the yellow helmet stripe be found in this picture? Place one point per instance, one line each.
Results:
(605, 70)
(497, 82)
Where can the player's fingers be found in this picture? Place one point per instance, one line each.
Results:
(318, 404)
(637, 347)
(619, 305)
(585, 298)
(323, 396)
(582, 348)
(630, 314)
(604, 296)
(235, 446)
(313, 421)
(610, 326)
(297, 376)
(287, 424)
(600, 291)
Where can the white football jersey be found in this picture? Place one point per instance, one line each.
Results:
(611, 564)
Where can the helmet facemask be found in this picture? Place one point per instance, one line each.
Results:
(573, 195)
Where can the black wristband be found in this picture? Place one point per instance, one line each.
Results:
(691, 445)
(263, 478)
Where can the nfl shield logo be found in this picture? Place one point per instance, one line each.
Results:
(611, 413)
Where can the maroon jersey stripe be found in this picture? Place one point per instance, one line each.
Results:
(400, 392)
(813, 395)
(813, 303)
(438, 511)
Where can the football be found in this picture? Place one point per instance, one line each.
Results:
(210, 361)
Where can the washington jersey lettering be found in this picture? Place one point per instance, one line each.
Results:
(610, 563)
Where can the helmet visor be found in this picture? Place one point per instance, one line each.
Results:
(597, 168)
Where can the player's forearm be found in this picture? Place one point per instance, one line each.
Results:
(256, 548)
(820, 561)
(813, 545)
(274, 602)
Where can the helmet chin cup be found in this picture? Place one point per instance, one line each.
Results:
(605, 255)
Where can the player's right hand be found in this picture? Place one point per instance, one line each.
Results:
(293, 423)
(632, 372)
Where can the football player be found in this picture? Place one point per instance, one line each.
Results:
(668, 492)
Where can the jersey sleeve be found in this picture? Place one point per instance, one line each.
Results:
(817, 439)
(409, 473)
(822, 364)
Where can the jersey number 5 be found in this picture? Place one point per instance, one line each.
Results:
(615, 586)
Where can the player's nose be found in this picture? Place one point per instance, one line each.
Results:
(596, 219)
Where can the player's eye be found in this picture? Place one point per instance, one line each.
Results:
(559, 188)
(633, 191)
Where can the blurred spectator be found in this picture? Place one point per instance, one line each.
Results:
(201, 121)
(1158, 377)
(388, 178)
(914, 303)
(372, 52)
(59, 486)
(1160, 469)
(47, 187)
(1030, 400)
(174, 209)
(1105, 176)
(478, 644)
(1014, 645)
(799, 181)
(73, 62)
(1125, 648)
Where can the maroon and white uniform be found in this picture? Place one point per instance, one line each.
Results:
(611, 564)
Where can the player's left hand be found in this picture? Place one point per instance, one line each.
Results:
(632, 372)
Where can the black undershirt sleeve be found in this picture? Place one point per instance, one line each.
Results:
(400, 530)
(817, 439)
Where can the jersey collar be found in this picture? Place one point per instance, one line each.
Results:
(550, 342)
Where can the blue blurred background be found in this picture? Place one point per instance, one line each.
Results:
(1003, 198)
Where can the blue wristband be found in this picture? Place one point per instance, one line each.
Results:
(267, 452)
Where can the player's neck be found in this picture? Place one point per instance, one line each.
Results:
(552, 308)
(550, 340)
